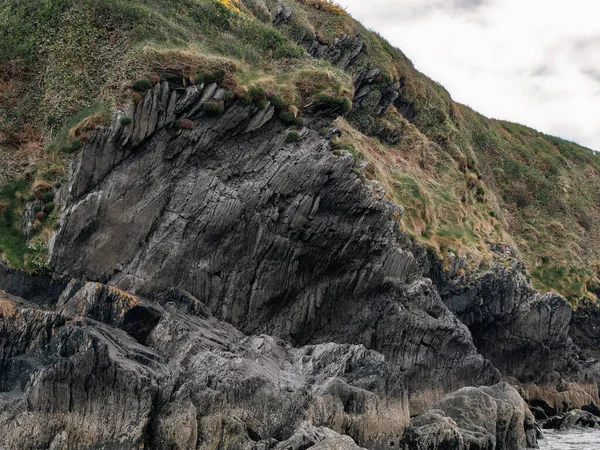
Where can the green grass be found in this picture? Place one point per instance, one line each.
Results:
(13, 244)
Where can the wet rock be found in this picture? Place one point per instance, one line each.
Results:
(572, 419)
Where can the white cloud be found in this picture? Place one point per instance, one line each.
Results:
(529, 61)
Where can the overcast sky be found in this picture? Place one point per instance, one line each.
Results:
(536, 62)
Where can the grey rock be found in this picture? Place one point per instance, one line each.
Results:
(310, 437)
(512, 324)
(273, 238)
(80, 375)
(572, 419)
(485, 418)
(342, 52)
(244, 292)
(281, 14)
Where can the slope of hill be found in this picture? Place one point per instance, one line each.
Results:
(254, 225)
(464, 180)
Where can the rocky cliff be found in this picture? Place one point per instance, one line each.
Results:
(283, 238)
(238, 291)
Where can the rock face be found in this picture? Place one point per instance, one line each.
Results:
(486, 418)
(235, 291)
(585, 328)
(104, 367)
(513, 325)
(274, 238)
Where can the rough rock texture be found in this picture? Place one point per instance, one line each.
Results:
(513, 325)
(104, 367)
(487, 418)
(561, 396)
(317, 439)
(585, 329)
(274, 238)
(341, 52)
(244, 293)
(571, 419)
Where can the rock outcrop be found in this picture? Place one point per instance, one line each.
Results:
(485, 418)
(274, 238)
(572, 419)
(104, 367)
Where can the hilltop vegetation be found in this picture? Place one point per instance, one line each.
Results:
(466, 181)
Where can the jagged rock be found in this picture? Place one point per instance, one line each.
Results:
(486, 418)
(81, 375)
(282, 13)
(342, 52)
(512, 324)
(309, 437)
(571, 419)
(250, 285)
(39, 289)
(585, 328)
(273, 238)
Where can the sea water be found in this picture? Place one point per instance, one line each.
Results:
(579, 439)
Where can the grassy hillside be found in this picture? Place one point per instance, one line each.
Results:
(465, 181)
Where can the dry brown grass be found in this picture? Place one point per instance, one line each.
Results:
(88, 124)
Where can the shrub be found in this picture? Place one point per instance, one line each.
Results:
(31, 198)
(126, 120)
(199, 79)
(256, 93)
(40, 215)
(48, 196)
(228, 95)
(246, 100)
(73, 148)
(136, 97)
(37, 209)
(480, 191)
(292, 136)
(342, 103)
(142, 85)
(323, 131)
(186, 124)
(214, 108)
(492, 214)
(262, 103)
(49, 207)
(215, 77)
(154, 79)
(277, 102)
(288, 118)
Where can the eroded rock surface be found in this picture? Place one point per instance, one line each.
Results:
(274, 238)
(234, 291)
(485, 418)
(104, 367)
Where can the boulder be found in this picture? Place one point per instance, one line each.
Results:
(485, 418)
(572, 419)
